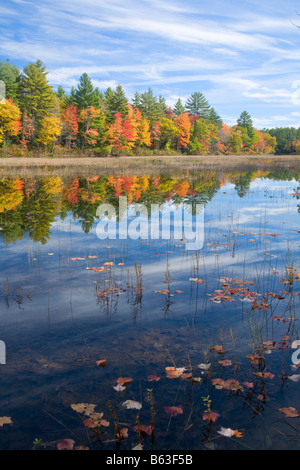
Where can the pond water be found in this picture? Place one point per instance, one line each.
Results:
(197, 348)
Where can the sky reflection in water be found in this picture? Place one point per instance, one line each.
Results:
(58, 317)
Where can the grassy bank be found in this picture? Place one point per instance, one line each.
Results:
(141, 165)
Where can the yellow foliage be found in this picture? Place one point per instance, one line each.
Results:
(50, 130)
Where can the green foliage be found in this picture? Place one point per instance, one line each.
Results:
(10, 75)
(85, 95)
(197, 104)
(36, 95)
(179, 108)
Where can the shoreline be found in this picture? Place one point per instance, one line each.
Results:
(88, 160)
(137, 165)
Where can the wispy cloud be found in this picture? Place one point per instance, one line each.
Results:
(241, 56)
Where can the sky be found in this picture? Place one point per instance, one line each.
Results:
(240, 55)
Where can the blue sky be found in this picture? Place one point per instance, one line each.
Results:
(241, 55)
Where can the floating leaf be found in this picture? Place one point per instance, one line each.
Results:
(248, 384)
(99, 269)
(228, 432)
(294, 378)
(210, 416)
(230, 384)
(138, 447)
(101, 363)
(174, 410)
(225, 362)
(143, 429)
(173, 372)
(124, 380)
(266, 375)
(195, 279)
(289, 412)
(5, 420)
(66, 444)
(204, 366)
(85, 408)
(131, 404)
(219, 349)
(119, 388)
(154, 378)
(122, 434)
(94, 423)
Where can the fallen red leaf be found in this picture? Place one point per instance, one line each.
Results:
(173, 410)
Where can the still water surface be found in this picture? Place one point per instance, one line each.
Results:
(224, 317)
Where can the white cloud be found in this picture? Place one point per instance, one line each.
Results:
(241, 56)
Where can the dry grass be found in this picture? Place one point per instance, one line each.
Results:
(142, 165)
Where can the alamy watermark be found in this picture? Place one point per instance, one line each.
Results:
(2, 91)
(165, 222)
(2, 352)
(295, 355)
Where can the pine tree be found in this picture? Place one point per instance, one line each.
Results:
(108, 103)
(85, 95)
(179, 108)
(136, 102)
(246, 123)
(150, 107)
(62, 97)
(37, 96)
(197, 104)
(214, 118)
(119, 102)
(245, 120)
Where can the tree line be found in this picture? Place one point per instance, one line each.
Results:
(35, 116)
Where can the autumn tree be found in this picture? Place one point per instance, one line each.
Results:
(27, 130)
(203, 135)
(184, 125)
(70, 120)
(169, 133)
(92, 126)
(50, 129)
(10, 124)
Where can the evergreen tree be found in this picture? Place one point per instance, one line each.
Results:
(108, 103)
(150, 107)
(214, 117)
(37, 95)
(179, 108)
(162, 105)
(197, 104)
(85, 95)
(136, 102)
(245, 120)
(61, 96)
(119, 102)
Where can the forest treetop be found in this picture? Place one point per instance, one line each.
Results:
(35, 116)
